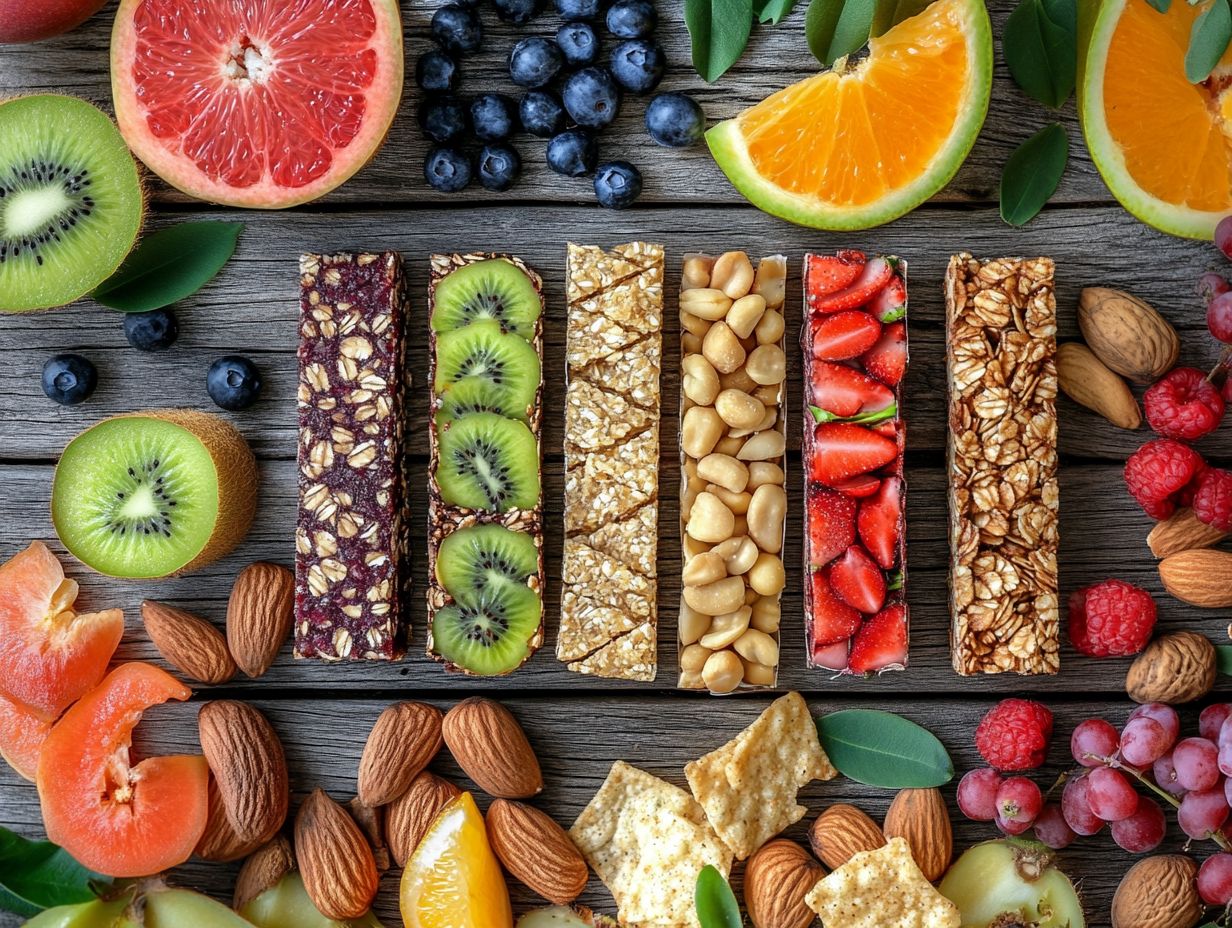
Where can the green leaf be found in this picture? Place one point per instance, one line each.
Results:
(882, 749)
(773, 11)
(1161, 5)
(894, 581)
(892, 12)
(1208, 40)
(1041, 48)
(719, 30)
(836, 28)
(716, 904)
(1032, 173)
(1223, 659)
(37, 875)
(169, 265)
(867, 418)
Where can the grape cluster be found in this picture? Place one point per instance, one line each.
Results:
(1215, 290)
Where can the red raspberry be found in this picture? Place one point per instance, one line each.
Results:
(1212, 503)
(1158, 471)
(1111, 619)
(1183, 404)
(1014, 735)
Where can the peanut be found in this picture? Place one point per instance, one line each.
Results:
(770, 328)
(723, 672)
(690, 343)
(696, 272)
(724, 470)
(767, 364)
(700, 429)
(766, 512)
(767, 576)
(739, 410)
(693, 624)
(757, 647)
(733, 274)
(745, 313)
(726, 628)
(729, 445)
(693, 547)
(722, 348)
(703, 569)
(738, 503)
(738, 379)
(771, 281)
(767, 615)
(738, 553)
(695, 325)
(759, 674)
(701, 380)
(693, 658)
(763, 446)
(763, 472)
(691, 681)
(705, 303)
(718, 598)
(769, 394)
(709, 519)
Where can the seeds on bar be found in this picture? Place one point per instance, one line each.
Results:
(613, 355)
(1001, 360)
(349, 538)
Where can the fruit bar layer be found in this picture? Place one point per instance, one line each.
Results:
(1001, 360)
(349, 536)
(855, 357)
(485, 502)
(613, 354)
(733, 501)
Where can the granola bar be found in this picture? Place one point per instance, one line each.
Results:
(1001, 354)
(349, 536)
(613, 354)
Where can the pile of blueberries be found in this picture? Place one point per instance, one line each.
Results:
(568, 95)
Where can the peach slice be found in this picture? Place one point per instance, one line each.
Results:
(22, 733)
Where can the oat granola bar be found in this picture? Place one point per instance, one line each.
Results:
(613, 352)
(349, 536)
(1001, 354)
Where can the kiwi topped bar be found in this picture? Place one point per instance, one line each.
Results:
(485, 501)
(613, 358)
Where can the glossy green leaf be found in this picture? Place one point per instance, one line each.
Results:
(836, 28)
(1212, 31)
(773, 11)
(892, 12)
(1041, 48)
(866, 418)
(37, 875)
(715, 901)
(883, 749)
(169, 265)
(1223, 659)
(1032, 173)
(719, 31)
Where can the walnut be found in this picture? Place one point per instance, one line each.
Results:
(1173, 669)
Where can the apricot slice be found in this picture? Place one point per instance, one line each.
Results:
(22, 733)
(51, 655)
(114, 817)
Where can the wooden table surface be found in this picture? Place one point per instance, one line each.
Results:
(578, 724)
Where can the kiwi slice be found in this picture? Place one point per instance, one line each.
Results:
(488, 462)
(475, 394)
(491, 635)
(71, 202)
(473, 558)
(154, 493)
(481, 351)
(494, 289)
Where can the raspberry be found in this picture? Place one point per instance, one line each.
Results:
(1158, 471)
(1014, 735)
(1212, 503)
(1111, 619)
(1183, 404)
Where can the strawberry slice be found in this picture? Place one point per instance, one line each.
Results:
(842, 450)
(831, 656)
(880, 522)
(833, 619)
(859, 487)
(882, 642)
(887, 358)
(843, 391)
(890, 304)
(857, 581)
(873, 278)
(831, 525)
(844, 335)
(828, 274)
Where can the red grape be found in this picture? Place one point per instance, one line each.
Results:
(1215, 880)
(1094, 736)
(1052, 829)
(1164, 715)
(1144, 830)
(1197, 763)
(1219, 317)
(1223, 236)
(1143, 741)
(1211, 720)
(977, 794)
(1210, 285)
(1202, 812)
(1111, 795)
(1018, 804)
(1165, 776)
(1076, 807)
(1227, 790)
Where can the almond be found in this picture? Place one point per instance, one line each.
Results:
(1182, 532)
(371, 821)
(491, 747)
(334, 858)
(842, 831)
(1127, 334)
(919, 816)
(248, 764)
(219, 842)
(263, 870)
(189, 643)
(1200, 577)
(408, 817)
(403, 741)
(776, 880)
(259, 615)
(1089, 382)
(537, 851)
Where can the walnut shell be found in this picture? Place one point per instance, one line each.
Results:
(1127, 334)
(776, 880)
(1158, 892)
(1173, 669)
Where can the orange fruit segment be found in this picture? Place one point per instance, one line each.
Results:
(22, 733)
(115, 817)
(50, 654)
(453, 879)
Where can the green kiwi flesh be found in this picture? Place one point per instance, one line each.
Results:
(474, 558)
(491, 635)
(71, 203)
(494, 289)
(481, 351)
(477, 394)
(488, 462)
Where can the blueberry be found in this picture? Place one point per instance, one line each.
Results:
(541, 113)
(457, 28)
(675, 120)
(579, 43)
(591, 97)
(152, 331)
(617, 184)
(575, 10)
(632, 19)
(573, 153)
(534, 61)
(638, 65)
(443, 119)
(499, 166)
(436, 71)
(493, 117)
(517, 11)
(447, 170)
(69, 379)
(233, 382)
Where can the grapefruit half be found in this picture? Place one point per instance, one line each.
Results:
(265, 103)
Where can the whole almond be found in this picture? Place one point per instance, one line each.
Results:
(776, 880)
(1200, 577)
(1089, 382)
(334, 858)
(189, 643)
(491, 747)
(537, 851)
(1182, 531)
(842, 831)
(248, 763)
(405, 738)
(220, 842)
(408, 818)
(259, 615)
(920, 817)
(1127, 334)
(371, 821)
(263, 870)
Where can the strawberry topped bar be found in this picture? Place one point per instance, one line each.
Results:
(855, 356)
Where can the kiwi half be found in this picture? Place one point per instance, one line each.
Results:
(488, 462)
(481, 351)
(154, 493)
(490, 635)
(494, 289)
(71, 202)
(473, 558)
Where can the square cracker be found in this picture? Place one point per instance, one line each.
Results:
(648, 840)
(748, 787)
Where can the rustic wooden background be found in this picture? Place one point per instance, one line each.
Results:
(580, 725)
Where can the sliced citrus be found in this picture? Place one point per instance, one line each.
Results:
(1162, 144)
(22, 733)
(865, 142)
(262, 103)
(453, 879)
(121, 819)
(50, 654)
